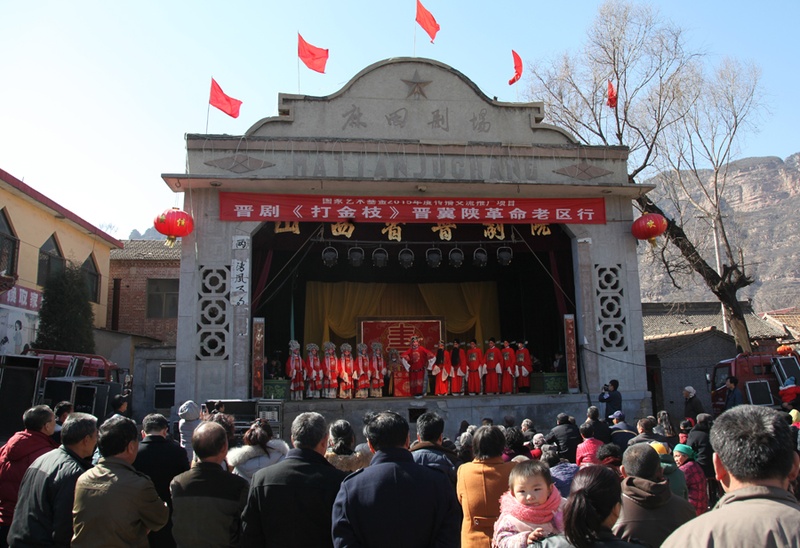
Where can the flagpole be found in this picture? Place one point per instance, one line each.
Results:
(298, 62)
(208, 109)
(414, 48)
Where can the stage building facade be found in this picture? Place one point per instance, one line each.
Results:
(405, 203)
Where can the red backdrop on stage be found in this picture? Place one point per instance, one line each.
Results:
(397, 334)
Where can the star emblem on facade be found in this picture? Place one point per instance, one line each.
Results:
(416, 87)
(583, 171)
(239, 163)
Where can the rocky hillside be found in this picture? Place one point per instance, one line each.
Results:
(762, 216)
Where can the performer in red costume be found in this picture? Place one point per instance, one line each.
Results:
(346, 372)
(416, 360)
(525, 365)
(458, 361)
(442, 371)
(378, 368)
(509, 368)
(474, 368)
(492, 368)
(313, 367)
(362, 374)
(330, 371)
(295, 370)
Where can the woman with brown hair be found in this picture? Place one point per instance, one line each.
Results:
(341, 448)
(260, 450)
(480, 486)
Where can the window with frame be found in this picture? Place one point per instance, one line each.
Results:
(9, 247)
(92, 278)
(51, 261)
(162, 298)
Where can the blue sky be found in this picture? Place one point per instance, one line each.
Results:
(96, 96)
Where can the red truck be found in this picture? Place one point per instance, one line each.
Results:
(760, 376)
(56, 363)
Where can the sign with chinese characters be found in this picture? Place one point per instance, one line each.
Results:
(571, 353)
(240, 286)
(241, 242)
(259, 330)
(22, 297)
(240, 206)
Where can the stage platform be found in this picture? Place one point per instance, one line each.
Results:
(541, 408)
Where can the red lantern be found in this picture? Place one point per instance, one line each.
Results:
(649, 227)
(784, 350)
(174, 223)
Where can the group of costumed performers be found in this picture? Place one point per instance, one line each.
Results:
(330, 376)
(452, 372)
(498, 370)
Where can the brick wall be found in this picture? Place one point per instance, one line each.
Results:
(133, 276)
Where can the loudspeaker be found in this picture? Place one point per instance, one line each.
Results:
(19, 382)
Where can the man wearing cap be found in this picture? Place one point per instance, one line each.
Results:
(621, 432)
(611, 397)
(692, 405)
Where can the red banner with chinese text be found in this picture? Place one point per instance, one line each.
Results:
(571, 353)
(241, 206)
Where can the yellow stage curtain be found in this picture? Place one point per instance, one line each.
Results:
(334, 307)
(465, 305)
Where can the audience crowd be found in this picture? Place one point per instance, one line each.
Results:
(729, 481)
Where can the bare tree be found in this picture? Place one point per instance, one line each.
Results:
(674, 119)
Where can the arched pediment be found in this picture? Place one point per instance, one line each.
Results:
(413, 99)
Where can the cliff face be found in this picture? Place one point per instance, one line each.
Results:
(762, 217)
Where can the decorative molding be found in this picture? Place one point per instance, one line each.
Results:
(214, 311)
(611, 320)
(583, 171)
(239, 163)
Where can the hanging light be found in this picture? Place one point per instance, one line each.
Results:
(330, 256)
(433, 257)
(649, 226)
(380, 258)
(456, 257)
(355, 256)
(480, 257)
(406, 258)
(504, 255)
(174, 223)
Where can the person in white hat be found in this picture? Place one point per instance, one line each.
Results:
(692, 405)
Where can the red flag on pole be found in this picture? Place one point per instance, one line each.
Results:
(225, 103)
(517, 68)
(313, 57)
(612, 95)
(426, 21)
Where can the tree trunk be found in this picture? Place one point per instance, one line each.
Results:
(724, 286)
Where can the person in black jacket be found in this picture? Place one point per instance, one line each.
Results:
(43, 515)
(692, 405)
(395, 502)
(566, 435)
(611, 397)
(161, 459)
(290, 502)
(208, 501)
(601, 428)
(428, 451)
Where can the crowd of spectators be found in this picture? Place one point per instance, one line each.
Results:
(725, 481)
